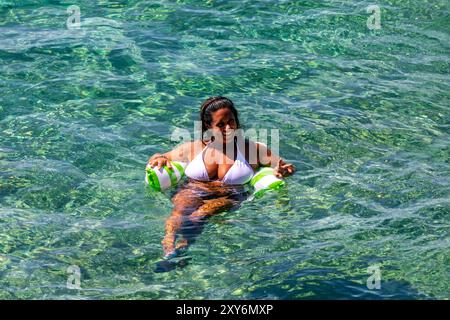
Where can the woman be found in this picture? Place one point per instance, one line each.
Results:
(217, 170)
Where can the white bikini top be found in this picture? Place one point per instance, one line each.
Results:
(240, 172)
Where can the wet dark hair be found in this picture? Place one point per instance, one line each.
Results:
(210, 106)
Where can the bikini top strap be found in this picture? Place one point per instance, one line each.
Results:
(200, 155)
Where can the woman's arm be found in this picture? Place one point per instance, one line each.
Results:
(267, 158)
(181, 153)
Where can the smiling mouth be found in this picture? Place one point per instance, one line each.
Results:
(228, 134)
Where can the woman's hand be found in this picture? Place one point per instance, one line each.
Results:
(159, 161)
(283, 169)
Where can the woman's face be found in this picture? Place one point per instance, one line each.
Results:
(223, 120)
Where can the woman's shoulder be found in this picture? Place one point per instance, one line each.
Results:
(197, 143)
(254, 144)
(190, 144)
(193, 148)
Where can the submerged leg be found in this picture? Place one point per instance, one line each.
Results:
(211, 207)
(185, 202)
(198, 218)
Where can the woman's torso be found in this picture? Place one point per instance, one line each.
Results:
(210, 164)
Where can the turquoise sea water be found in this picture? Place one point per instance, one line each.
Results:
(363, 114)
